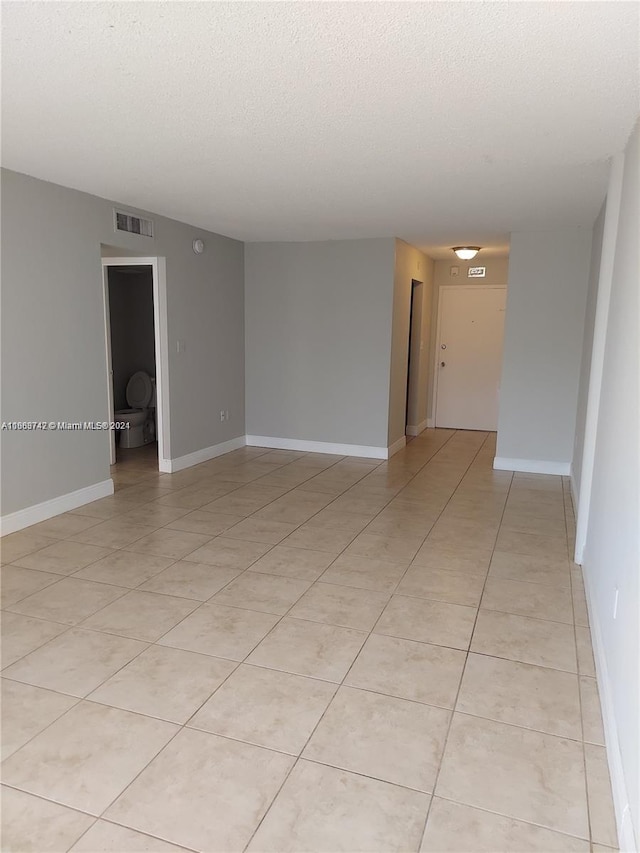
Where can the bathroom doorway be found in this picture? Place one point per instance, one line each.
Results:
(136, 358)
(414, 349)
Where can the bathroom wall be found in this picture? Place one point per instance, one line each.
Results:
(132, 330)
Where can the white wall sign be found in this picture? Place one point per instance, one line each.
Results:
(477, 272)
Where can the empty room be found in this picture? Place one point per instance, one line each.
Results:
(320, 379)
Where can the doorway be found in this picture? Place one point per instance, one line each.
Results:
(469, 356)
(412, 414)
(135, 332)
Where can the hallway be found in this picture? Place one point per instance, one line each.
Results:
(282, 651)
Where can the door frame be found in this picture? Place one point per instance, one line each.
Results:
(161, 342)
(413, 364)
(436, 360)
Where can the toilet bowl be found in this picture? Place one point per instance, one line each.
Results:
(139, 419)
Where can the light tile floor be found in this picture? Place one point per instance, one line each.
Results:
(280, 651)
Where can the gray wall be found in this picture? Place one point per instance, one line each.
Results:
(132, 327)
(612, 550)
(587, 344)
(318, 340)
(546, 300)
(53, 347)
(497, 271)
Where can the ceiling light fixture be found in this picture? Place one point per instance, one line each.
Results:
(466, 253)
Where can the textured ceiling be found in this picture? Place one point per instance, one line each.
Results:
(439, 122)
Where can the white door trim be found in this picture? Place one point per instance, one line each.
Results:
(159, 274)
(107, 340)
(436, 360)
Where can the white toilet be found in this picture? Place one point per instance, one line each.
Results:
(141, 396)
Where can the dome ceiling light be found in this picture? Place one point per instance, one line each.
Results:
(466, 253)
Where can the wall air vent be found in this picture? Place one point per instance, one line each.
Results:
(133, 224)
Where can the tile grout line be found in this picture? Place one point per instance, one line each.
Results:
(322, 716)
(342, 682)
(181, 728)
(578, 674)
(318, 580)
(133, 589)
(87, 698)
(467, 653)
(268, 551)
(156, 642)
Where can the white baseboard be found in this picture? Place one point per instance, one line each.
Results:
(626, 835)
(47, 509)
(398, 445)
(170, 466)
(318, 446)
(416, 430)
(531, 466)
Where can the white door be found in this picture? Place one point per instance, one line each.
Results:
(469, 353)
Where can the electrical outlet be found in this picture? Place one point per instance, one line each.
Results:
(221, 415)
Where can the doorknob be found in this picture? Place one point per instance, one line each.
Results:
(442, 364)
